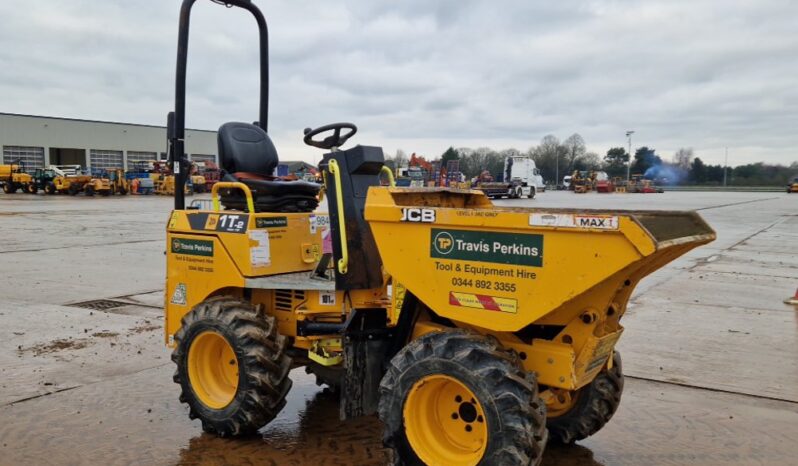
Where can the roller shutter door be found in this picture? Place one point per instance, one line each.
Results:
(31, 157)
(139, 156)
(105, 159)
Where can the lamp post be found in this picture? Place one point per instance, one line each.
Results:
(725, 166)
(629, 165)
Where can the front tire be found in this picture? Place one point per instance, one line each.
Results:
(532, 193)
(231, 366)
(594, 406)
(9, 188)
(455, 397)
(31, 188)
(49, 188)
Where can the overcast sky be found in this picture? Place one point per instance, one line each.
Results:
(421, 75)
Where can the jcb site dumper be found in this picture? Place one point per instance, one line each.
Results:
(13, 177)
(477, 333)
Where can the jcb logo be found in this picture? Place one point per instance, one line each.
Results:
(443, 242)
(418, 215)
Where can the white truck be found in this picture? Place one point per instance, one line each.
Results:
(521, 179)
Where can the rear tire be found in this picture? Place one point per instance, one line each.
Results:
(532, 192)
(246, 402)
(500, 412)
(594, 407)
(31, 188)
(88, 191)
(9, 188)
(49, 188)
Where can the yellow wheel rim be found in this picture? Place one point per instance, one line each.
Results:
(560, 402)
(213, 369)
(444, 422)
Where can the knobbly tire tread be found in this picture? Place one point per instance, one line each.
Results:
(515, 413)
(595, 406)
(262, 362)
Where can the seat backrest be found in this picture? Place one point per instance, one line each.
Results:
(246, 148)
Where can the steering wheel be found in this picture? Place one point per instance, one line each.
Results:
(334, 140)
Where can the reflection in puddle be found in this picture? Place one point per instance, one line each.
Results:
(307, 431)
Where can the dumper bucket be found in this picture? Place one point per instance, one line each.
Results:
(506, 268)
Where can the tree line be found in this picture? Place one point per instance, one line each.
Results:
(555, 159)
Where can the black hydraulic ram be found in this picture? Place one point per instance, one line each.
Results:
(176, 121)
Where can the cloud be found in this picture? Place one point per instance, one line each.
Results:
(422, 75)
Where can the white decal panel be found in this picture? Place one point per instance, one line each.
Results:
(259, 255)
(599, 222)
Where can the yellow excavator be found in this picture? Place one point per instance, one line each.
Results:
(475, 332)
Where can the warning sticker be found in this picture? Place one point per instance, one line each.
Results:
(259, 254)
(481, 301)
(179, 296)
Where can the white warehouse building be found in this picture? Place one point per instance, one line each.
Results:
(40, 141)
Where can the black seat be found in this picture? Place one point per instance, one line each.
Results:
(248, 155)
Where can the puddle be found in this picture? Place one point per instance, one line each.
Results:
(136, 419)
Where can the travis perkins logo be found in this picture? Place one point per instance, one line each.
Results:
(494, 247)
(193, 247)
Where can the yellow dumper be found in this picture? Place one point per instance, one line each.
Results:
(13, 178)
(454, 319)
(475, 332)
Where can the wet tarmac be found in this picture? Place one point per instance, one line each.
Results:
(710, 350)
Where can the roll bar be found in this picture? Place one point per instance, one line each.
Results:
(176, 120)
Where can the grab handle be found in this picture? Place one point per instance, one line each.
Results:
(335, 170)
(231, 185)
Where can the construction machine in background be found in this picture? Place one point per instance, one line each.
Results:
(69, 179)
(792, 187)
(198, 184)
(641, 185)
(118, 182)
(210, 172)
(43, 179)
(14, 177)
(98, 184)
(475, 332)
(582, 181)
